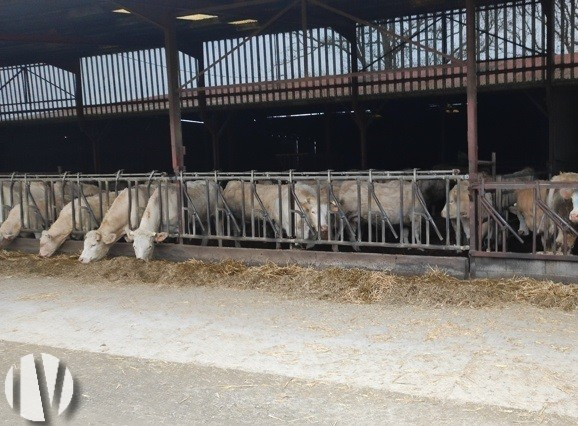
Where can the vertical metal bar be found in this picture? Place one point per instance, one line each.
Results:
(237, 69)
(294, 43)
(146, 71)
(93, 82)
(245, 48)
(112, 73)
(124, 83)
(550, 16)
(52, 79)
(533, 36)
(8, 92)
(572, 36)
(523, 29)
(286, 57)
(305, 37)
(514, 39)
(253, 62)
(40, 90)
(219, 70)
(139, 76)
(158, 72)
(101, 89)
(320, 50)
(418, 21)
(327, 70)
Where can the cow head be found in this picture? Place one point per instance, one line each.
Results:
(48, 244)
(456, 199)
(96, 245)
(144, 242)
(311, 210)
(572, 195)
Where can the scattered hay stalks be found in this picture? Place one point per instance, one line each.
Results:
(434, 289)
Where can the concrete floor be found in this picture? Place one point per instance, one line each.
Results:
(145, 354)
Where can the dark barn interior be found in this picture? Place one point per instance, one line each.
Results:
(418, 132)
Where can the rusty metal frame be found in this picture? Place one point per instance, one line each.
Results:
(483, 206)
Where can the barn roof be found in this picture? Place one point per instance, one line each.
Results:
(61, 31)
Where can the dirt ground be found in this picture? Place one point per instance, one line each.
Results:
(220, 349)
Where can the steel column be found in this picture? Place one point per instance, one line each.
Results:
(550, 11)
(172, 58)
(472, 109)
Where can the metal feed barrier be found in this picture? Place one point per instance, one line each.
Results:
(373, 221)
(500, 233)
(271, 209)
(342, 211)
(38, 199)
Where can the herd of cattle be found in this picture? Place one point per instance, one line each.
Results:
(360, 210)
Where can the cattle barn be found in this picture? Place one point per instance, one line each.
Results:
(383, 133)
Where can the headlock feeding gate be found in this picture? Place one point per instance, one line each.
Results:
(370, 216)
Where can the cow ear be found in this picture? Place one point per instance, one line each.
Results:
(566, 193)
(97, 236)
(161, 236)
(109, 238)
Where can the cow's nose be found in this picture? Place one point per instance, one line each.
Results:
(574, 216)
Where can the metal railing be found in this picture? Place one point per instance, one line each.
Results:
(34, 201)
(342, 211)
(532, 224)
(368, 210)
(360, 210)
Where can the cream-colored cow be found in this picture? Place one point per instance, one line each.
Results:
(97, 243)
(63, 227)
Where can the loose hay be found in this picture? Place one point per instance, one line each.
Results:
(435, 288)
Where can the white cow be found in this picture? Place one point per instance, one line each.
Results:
(310, 215)
(389, 195)
(36, 206)
(568, 194)
(12, 192)
(459, 199)
(61, 229)
(28, 216)
(457, 207)
(163, 200)
(166, 201)
(564, 202)
(97, 243)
